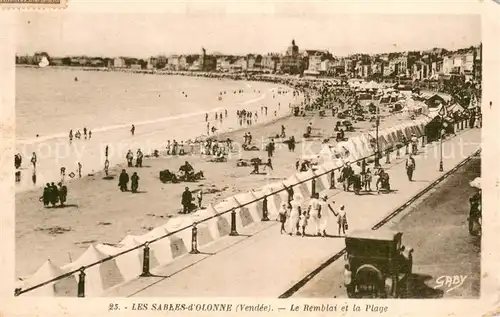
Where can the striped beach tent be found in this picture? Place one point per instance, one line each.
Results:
(161, 251)
(322, 182)
(273, 201)
(100, 277)
(180, 241)
(66, 287)
(129, 264)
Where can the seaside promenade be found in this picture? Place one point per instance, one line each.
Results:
(261, 262)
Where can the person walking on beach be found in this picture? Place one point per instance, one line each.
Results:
(63, 173)
(135, 182)
(46, 195)
(199, 198)
(129, 157)
(33, 160)
(138, 161)
(63, 193)
(123, 181)
(186, 200)
(410, 167)
(282, 215)
(106, 167)
(54, 194)
(79, 170)
(270, 148)
(132, 130)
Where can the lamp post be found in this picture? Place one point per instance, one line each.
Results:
(377, 122)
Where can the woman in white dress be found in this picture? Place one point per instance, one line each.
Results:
(295, 212)
(324, 215)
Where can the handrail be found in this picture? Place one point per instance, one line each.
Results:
(18, 292)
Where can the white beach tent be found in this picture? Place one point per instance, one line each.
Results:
(99, 277)
(63, 287)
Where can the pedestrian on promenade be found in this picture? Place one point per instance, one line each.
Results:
(410, 166)
(324, 215)
(367, 180)
(186, 200)
(341, 220)
(303, 222)
(135, 182)
(282, 215)
(313, 211)
(295, 212)
(346, 174)
(349, 286)
(270, 148)
(123, 181)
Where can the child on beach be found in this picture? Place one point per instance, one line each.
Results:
(303, 222)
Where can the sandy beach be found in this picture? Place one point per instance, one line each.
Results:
(97, 212)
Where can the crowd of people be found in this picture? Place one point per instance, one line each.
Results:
(87, 134)
(315, 217)
(52, 195)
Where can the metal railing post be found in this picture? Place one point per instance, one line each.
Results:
(194, 240)
(81, 283)
(332, 179)
(265, 216)
(145, 261)
(313, 187)
(233, 223)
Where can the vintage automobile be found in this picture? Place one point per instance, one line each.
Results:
(380, 266)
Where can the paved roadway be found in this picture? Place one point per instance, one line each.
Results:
(265, 264)
(436, 227)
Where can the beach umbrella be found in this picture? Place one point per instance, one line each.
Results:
(476, 182)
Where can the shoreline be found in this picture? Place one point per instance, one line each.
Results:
(153, 133)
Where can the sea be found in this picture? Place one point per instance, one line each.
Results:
(52, 101)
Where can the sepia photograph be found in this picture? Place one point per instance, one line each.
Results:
(260, 156)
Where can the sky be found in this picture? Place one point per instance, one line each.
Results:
(62, 33)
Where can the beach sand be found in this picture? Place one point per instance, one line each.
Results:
(97, 212)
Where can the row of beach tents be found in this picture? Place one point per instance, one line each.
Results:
(108, 274)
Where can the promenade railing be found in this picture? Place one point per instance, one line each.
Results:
(234, 232)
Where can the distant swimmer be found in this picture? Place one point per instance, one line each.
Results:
(70, 135)
(76, 78)
(78, 135)
(206, 117)
(220, 98)
(214, 129)
(132, 130)
(85, 133)
(90, 134)
(225, 112)
(216, 116)
(106, 152)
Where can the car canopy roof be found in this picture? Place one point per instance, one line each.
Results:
(381, 234)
